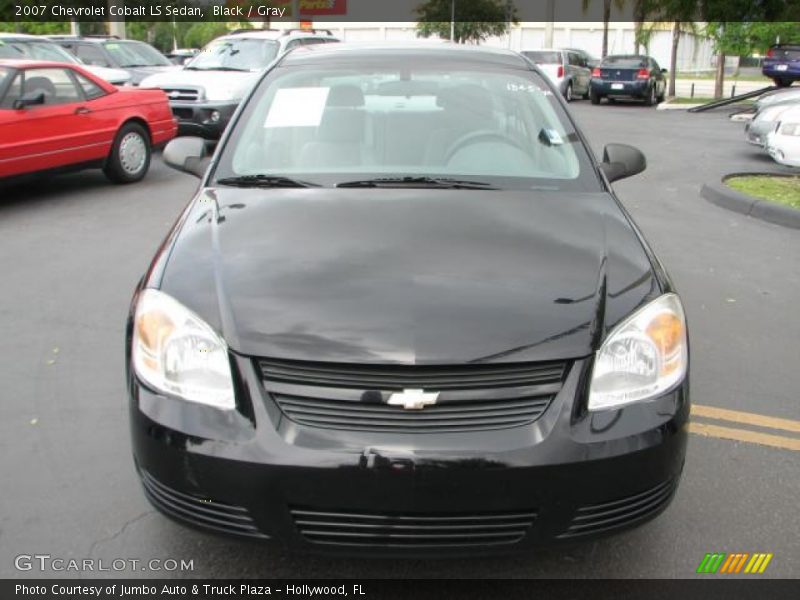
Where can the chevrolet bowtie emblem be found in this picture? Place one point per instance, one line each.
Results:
(413, 399)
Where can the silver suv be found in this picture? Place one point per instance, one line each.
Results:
(204, 94)
(569, 70)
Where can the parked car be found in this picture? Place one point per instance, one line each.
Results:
(56, 116)
(204, 94)
(181, 56)
(764, 121)
(345, 344)
(138, 59)
(628, 76)
(782, 64)
(783, 144)
(782, 95)
(591, 61)
(567, 70)
(32, 47)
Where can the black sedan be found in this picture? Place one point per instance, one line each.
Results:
(628, 76)
(405, 314)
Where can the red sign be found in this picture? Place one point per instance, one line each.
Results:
(322, 7)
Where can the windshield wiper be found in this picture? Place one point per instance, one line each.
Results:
(265, 181)
(425, 182)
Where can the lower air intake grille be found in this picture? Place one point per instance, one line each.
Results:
(606, 516)
(199, 512)
(346, 528)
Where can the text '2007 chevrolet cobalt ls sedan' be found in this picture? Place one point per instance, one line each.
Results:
(405, 314)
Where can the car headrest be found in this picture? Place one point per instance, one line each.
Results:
(466, 98)
(345, 96)
(34, 84)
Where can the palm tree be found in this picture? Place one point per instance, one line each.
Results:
(620, 4)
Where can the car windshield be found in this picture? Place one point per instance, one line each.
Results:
(543, 57)
(235, 54)
(409, 124)
(136, 54)
(5, 75)
(42, 51)
(625, 62)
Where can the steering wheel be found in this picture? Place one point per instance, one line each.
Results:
(477, 137)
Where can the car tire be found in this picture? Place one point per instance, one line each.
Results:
(650, 98)
(782, 82)
(130, 154)
(568, 93)
(594, 97)
(660, 98)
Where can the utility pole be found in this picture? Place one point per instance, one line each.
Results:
(117, 28)
(452, 20)
(548, 23)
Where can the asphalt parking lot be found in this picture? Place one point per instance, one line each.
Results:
(74, 246)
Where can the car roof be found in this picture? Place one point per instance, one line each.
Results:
(369, 51)
(276, 34)
(23, 37)
(27, 63)
(93, 39)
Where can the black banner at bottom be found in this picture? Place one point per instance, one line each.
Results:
(416, 589)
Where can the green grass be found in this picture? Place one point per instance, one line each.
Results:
(687, 100)
(781, 190)
(712, 77)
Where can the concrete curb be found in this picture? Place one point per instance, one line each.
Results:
(726, 197)
(670, 106)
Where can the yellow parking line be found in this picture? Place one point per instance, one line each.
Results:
(743, 435)
(724, 414)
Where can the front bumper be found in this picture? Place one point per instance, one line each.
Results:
(755, 132)
(204, 119)
(567, 476)
(630, 89)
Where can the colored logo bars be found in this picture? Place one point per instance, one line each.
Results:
(742, 562)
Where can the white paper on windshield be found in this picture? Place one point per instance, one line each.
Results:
(297, 107)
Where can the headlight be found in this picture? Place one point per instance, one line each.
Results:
(643, 357)
(176, 352)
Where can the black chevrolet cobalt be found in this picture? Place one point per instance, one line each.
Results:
(405, 314)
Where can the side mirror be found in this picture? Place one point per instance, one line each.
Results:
(665, 71)
(621, 161)
(29, 99)
(187, 154)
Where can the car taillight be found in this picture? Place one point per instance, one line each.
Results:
(770, 53)
(643, 74)
(560, 71)
(596, 72)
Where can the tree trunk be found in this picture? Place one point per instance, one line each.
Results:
(719, 80)
(673, 57)
(606, 19)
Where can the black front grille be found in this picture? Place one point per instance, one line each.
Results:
(398, 377)
(348, 528)
(355, 397)
(463, 416)
(200, 512)
(607, 516)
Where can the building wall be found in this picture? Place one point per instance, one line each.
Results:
(694, 52)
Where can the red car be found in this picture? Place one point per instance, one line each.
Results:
(56, 115)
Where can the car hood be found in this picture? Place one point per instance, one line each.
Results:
(237, 81)
(407, 276)
(138, 74)
(115, 76)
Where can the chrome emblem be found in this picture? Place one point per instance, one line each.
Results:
(174, 94)
(413, 399)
